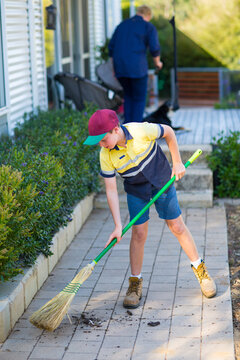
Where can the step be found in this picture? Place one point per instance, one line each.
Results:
(196, 178)
(195, 199)
(186, 151)
(187, 199)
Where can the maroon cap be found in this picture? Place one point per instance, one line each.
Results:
(100, 123)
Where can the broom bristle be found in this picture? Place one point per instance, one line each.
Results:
(50, 316)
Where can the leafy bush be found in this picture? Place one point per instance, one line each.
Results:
(45, 173)
(48, 151)
(61, 134)
(225, 163)
(18, 219)
(230, 102)
(102, 51)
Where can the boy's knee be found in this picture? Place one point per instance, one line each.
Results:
(177, 227)
(139, 233)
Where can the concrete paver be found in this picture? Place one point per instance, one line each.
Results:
(191, 326)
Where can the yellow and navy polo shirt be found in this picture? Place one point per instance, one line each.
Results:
(142, 163)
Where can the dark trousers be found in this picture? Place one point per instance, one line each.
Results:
(135, 92)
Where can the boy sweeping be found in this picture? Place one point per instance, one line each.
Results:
(132, 151)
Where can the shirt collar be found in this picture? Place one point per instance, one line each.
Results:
(139, 17)
(127, 135)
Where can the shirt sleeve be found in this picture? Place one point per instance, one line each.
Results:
(107, 168)
(152, 131)
(153, 42)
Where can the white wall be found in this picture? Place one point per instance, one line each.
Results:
(25, 58)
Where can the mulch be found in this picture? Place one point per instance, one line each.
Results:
(233, 224)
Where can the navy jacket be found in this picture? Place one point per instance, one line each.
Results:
(128, 47)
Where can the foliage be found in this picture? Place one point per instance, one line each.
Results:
(102, 52)
(211, 25)
(189, 54)
(47, 150)
(62, 135)
(44, 172)
(215, 26)
(230, 102)
(225, 163)
(18, 219)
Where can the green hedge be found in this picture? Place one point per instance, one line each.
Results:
(17, 219)
(225, 163)
(44, 171)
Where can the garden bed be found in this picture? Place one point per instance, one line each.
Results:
(233, 225)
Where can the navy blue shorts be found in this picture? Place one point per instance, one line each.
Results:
(166, 205)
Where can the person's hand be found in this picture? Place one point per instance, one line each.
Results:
(117, 233)
(159, 65)
(178, 170)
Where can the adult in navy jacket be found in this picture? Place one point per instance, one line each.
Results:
(128, 49)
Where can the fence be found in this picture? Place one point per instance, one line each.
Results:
(205, 85)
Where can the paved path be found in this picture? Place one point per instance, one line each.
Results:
(191, 326)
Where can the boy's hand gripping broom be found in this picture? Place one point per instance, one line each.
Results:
(51, 314)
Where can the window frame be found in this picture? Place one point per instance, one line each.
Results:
(4, 110)
(2, 79)
(68, 59)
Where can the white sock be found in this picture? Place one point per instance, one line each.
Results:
(138, 276)
(196, 263)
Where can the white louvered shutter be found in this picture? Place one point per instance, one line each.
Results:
(40, 69)
(25, 58)
(19, 60)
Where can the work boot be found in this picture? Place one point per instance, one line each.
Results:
(134, 293)
(207, 284)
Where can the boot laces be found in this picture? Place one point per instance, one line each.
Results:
(202, 273)
(134, 287)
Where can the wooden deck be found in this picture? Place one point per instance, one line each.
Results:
(204, 124)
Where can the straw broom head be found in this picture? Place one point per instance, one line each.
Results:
(50, 316)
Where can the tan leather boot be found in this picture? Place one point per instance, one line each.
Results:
(134, 293)
(207, 284)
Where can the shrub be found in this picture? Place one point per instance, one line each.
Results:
(232, 101)
(43, 172)
(17, 219)
(61, 134)
(225, 163)
(48, 151)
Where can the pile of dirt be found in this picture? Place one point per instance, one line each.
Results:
(233, 225)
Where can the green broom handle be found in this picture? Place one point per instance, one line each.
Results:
(113, 242)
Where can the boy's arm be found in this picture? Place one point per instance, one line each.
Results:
(113, 202)
(178, 168)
